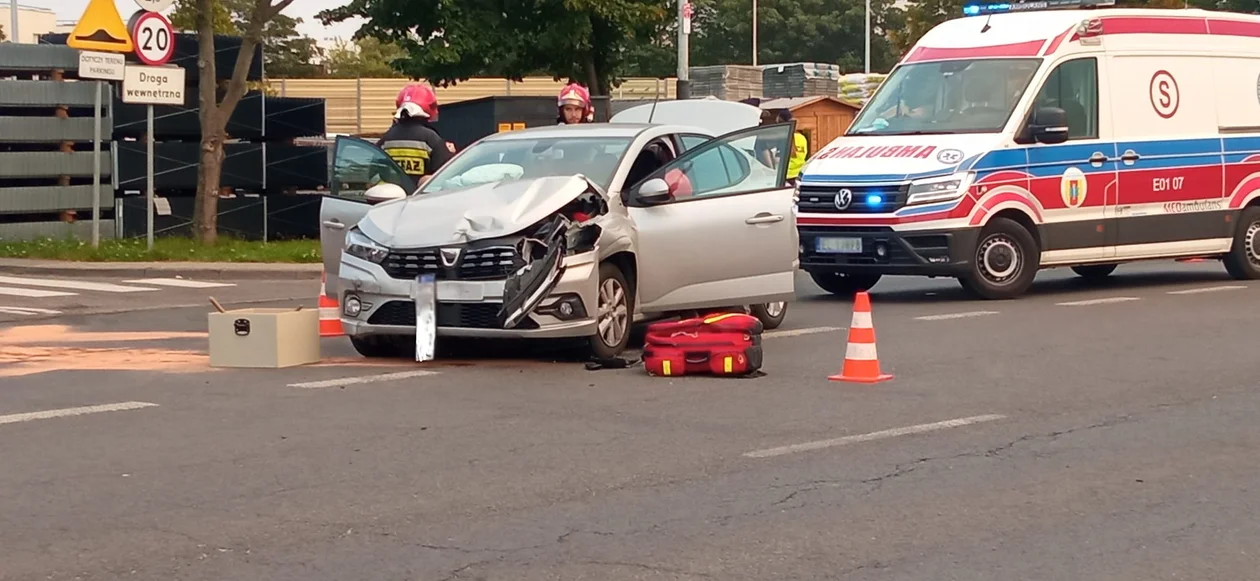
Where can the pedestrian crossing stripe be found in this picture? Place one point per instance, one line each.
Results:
(180, 282)
(72, 284)
(30, 311)
(32, 293)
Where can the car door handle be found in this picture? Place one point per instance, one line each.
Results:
(335, 225)
(1098, 158)
(764, 219)
(1130, 156)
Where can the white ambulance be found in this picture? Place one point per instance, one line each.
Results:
(1025, 136)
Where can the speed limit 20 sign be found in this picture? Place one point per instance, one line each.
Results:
(154, 38)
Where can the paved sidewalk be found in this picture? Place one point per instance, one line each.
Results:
(199, 270)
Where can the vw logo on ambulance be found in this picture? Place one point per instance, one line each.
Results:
(843, 198)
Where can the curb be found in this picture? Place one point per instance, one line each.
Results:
(201, 271)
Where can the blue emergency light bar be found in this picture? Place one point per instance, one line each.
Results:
(1032, 6)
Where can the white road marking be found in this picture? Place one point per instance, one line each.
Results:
(180, 282)
(1206, 289)
(79, 411)
(32, 293)
(363, 379)
(73, 284)
(1105, 301)
(966, 315)
(799, 332)
(27, 311)
(906, 431)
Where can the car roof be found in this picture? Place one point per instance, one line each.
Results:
(571, 131)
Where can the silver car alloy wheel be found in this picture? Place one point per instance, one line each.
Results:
(614, 314)
(1252, 241)
(999, 259)
(774, 310)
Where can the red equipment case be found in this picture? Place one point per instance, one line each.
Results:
(725, 345)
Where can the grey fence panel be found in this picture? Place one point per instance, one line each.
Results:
(53, 130)
(38, 58)
(49, 93)
(52, 199)
(81, 230)
(51, 164)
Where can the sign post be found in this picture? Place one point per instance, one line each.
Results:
(154, 84)
(101, 37)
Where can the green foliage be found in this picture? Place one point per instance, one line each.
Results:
(447, 41)
(286, 53)
(2, 36)
(366, 58)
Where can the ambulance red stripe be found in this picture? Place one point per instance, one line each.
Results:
(1018, 49)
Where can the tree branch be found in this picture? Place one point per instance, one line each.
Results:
(263, 12)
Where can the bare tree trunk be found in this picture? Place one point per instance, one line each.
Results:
(206, 206)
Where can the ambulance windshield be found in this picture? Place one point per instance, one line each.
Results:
(946, 97)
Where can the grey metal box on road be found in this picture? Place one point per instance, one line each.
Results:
(266, 338)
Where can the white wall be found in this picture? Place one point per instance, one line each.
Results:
(32, 22)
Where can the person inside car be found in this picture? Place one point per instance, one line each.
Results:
(412, 141)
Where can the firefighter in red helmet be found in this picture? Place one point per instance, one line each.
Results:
(574, 105)
(411, 140)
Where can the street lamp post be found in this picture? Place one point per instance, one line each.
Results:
(684, 82)
(754, 35)
(13, 19)
(868, 37)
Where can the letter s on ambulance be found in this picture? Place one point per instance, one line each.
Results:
(1058, 144)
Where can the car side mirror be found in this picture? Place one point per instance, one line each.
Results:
(652, 192)
(1049, 125)
(384, 192)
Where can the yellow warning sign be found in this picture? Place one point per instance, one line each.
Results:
(101, 29)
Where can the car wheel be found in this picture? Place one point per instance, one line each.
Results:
(377, 346)
(1094, 271)
(1006, 261)
(844, 285)
(770, 314)
(614, 313)
(1243, 261)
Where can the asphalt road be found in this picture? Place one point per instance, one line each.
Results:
(1083, 432)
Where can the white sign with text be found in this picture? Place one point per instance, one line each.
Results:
(153, 85)
(101, 66)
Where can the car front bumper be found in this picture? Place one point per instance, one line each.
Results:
(467, 308)
(887, 251)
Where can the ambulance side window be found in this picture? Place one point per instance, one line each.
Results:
(1073, 87)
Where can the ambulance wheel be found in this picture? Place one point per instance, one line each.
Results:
(1243, 261)
(844, 285)
(1006, 261)
(1094, 271)
(614, 313)
(771, 315)
(379, 347)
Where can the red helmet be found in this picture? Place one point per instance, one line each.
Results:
(416, 100)
(575, 94)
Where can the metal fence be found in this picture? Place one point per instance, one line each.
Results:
(357, 106)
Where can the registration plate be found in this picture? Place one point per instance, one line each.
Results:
(833, 245)
(460, 291)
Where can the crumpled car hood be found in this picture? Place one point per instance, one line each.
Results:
(475, 213)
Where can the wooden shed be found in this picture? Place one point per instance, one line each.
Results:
(821, 119)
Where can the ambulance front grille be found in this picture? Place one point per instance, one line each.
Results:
(864, 199)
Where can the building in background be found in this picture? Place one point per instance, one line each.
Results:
(32, 22)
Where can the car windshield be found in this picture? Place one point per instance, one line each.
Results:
(943, 97)
(512, 159)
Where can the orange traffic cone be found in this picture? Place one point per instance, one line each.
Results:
(329, 311)
(861, 362)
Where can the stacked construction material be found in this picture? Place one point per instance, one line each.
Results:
(47, 126)
(800, 80)
(727, 82)
(261, 157)
(858, 87)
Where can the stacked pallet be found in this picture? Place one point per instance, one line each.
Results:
(261, 157)
(800, 80)
(47, 124)
(727, 82)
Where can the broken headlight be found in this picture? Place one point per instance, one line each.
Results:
(359, 245)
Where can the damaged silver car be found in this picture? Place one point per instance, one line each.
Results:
(566, 231)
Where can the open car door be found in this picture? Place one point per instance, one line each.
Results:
(716, 226)
(356, 166)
